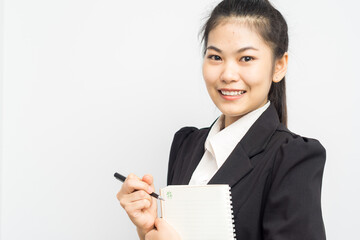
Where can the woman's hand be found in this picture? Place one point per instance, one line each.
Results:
(163, 231)
(139, 205)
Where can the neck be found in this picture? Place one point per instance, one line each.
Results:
(230, 120)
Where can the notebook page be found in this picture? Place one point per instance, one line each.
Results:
(199, 212)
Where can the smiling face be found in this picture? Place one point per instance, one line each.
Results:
(238, 69)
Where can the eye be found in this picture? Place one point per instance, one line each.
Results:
(246, 59)
(214, 57)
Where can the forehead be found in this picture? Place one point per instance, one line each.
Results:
(236, 32)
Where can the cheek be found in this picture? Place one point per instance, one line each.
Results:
(209, 74)
(257, 76)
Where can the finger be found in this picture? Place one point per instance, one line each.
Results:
(148, 179)
(133, 209)
(132, 176)
(133, 197)
(153, 205)
(151, 235)
(159, 223)
(132, 184)
(139, 195)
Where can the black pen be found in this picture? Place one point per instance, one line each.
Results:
(122, 179)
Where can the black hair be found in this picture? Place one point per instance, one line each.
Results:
(271, 26)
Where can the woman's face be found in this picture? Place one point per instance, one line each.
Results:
(237, 69)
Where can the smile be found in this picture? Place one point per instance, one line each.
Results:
(231, 93)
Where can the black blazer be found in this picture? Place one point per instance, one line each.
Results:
(275, 178)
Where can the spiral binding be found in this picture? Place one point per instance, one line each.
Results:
(232, 215)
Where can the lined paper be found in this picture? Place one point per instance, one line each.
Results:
(199, 212)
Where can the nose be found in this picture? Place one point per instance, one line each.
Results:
(230, 73)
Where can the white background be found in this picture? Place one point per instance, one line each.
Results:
(93, 87)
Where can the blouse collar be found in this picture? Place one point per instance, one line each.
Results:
(221, 142)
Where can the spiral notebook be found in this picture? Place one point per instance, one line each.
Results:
(199, 212)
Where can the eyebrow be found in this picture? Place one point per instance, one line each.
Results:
(238, 51)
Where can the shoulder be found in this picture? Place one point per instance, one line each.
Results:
(184, 139)
(295, 152)
(293, 141)
(186, 136)
(295, 187)
(189, 134)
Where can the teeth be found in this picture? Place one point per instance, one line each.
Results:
(232, 93)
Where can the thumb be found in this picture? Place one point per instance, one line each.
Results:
(149, 180)
(159, 223)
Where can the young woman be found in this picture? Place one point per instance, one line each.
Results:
(275, 175)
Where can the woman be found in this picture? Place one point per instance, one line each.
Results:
(275, 175)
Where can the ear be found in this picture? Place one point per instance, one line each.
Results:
(281, 65)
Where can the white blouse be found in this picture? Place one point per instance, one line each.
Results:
(220, 143)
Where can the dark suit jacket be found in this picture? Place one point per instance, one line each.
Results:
(275, 178)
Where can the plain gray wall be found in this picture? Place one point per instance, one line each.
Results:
(93, 87)
(1, 94)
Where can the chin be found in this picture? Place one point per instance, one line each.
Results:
(234, 113)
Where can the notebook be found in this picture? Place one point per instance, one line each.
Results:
(199, 212)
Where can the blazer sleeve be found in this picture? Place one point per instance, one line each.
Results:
(177, 142)
(293, 207)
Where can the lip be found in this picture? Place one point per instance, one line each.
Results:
(230, 89)
(231, 98)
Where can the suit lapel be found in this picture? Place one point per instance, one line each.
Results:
(238, 164)
(195, 158)
(196, 154)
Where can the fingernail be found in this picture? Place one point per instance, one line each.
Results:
(150, 190)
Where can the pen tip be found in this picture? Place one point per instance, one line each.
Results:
(160, 198)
